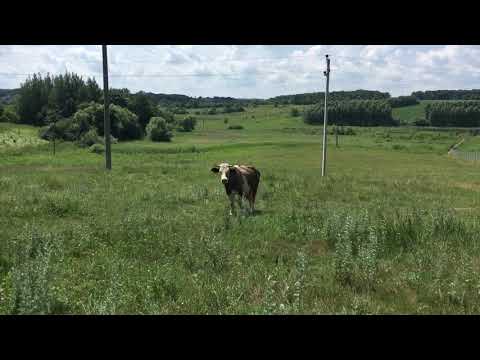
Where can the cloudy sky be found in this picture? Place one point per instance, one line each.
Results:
(256, 71)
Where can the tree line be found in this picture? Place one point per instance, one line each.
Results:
(453, 113)
(316, 97)
(352, 113)
(401, 101)
(184, 101)
(447, 94)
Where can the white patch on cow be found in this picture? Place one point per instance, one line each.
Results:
(223, 168)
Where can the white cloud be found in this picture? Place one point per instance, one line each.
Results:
(254, 71)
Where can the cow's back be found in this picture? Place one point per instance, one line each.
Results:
(252, 176)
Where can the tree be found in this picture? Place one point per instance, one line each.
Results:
(39, 96)
(33, 99)
(159, 130)
(118, 97)
(93, 91)
(402, 101)
(453, 113)
(188, 124)
(142, 106)
(354, 113)
(294, 112)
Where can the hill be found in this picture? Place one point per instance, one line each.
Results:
(7, 95)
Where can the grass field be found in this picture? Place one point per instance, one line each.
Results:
(408, 114)
(393, 228)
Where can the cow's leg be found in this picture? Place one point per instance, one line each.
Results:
(232, 203)
(252, 205)
(240, 202)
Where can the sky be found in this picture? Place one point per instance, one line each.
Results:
(252, 71)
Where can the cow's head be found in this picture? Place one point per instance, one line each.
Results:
(224, 170)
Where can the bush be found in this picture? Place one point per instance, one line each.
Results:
(8, 115)
(187, 124)
(90, 138)
(233, 108)
(225, 121)
(294, 112)
(421, 122)
(159, 130)
(124, 123)
(167, 115)
(63, 129)
(235, 127)
(212, 111)
(342, 131)
(97, 149)
(180, 111)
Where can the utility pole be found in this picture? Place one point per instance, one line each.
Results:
(325, 118)
(106, 119)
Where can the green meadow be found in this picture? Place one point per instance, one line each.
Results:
(392, 229)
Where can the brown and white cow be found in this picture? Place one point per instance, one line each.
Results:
(239, 180)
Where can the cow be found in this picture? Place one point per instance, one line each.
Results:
(240, 180)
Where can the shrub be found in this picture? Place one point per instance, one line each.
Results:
(8, 115)
(167, 115)
(124, 123)
(235, 127)
(294, 112)
(225, 121)
(212, 111)
(187, 124)
(421, 122)
(89, 138)
(398, 147)
(63, 129)
(159, 130)
(97, 149)
(342, 131)
(180, 111)
(233, 108)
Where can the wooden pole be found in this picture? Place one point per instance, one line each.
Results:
(325, 119)
(106, 122)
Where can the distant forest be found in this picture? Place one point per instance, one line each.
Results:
(8, 96)
(447, 94)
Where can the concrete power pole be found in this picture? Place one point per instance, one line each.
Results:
(325, 119)
(106, 119)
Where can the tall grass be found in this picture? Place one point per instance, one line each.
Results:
(387, 231)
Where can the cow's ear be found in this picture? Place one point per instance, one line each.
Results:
(215, 169)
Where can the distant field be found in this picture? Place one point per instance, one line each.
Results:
(408, 114)
(393, 228)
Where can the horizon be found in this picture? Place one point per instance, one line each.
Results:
(240, 98)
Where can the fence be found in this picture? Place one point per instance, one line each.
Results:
(465, 155)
